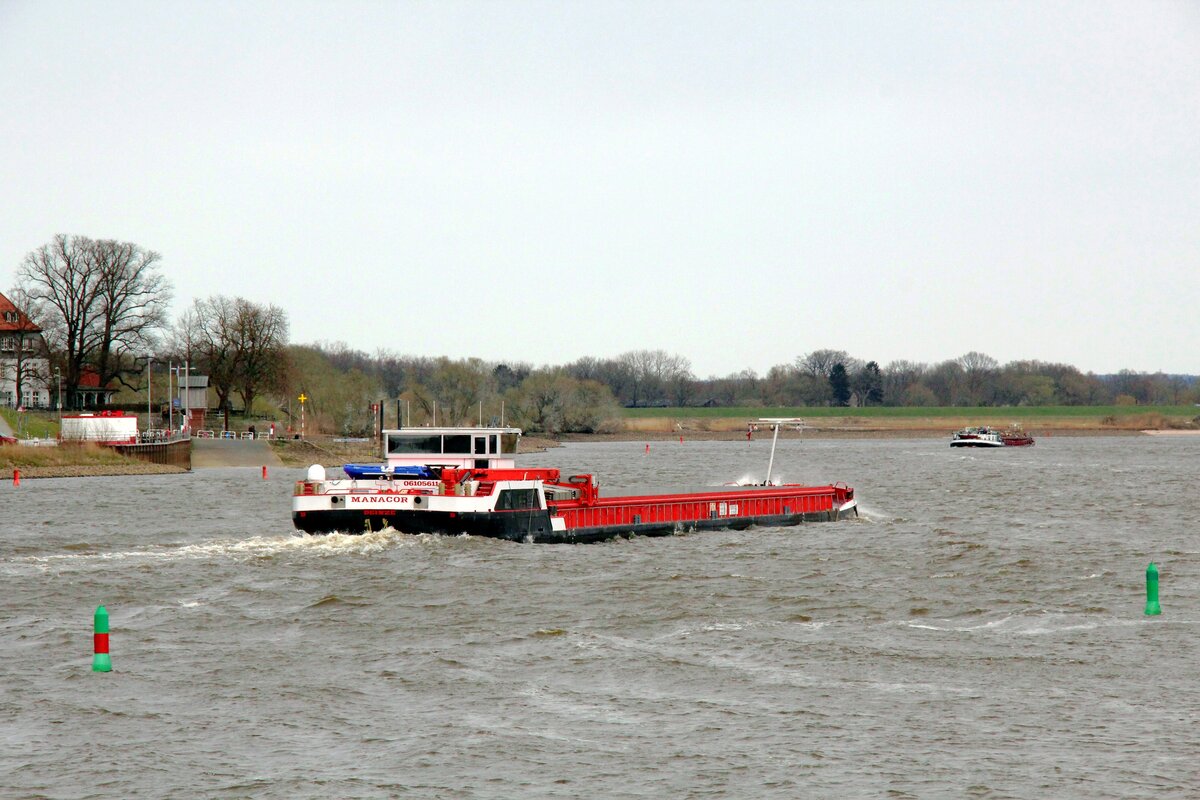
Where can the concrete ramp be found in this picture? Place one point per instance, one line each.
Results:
(232, 453)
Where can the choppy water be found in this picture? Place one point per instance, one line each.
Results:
(978, 633)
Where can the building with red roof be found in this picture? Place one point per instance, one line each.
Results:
(24, 368)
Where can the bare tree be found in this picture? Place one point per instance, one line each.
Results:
(978, 370)
(104, 302)
(898, 377)
(820, 363)
(132, 309)
(262, 334)
(206, 334)
(654, 373)
(58, 275)
(242, 345)
(458, 387)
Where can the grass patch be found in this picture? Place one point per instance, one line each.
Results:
(32, 424)
(67, 455)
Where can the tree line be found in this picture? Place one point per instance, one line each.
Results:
(103, 309)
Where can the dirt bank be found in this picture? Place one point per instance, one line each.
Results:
(90, 470)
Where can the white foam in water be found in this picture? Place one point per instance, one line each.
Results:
(750, 480)
(327, 544)
(260, 546)
(869, 514)
(1024, 625)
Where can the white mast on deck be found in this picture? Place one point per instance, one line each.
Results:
(795, 422)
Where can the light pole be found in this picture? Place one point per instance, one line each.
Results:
(58, 374)
(149, 376)
(187, 390)
(170, 400)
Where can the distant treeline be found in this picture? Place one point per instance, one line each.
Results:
(586, 394)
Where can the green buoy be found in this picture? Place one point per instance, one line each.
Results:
(1152, 607)
(101, 661)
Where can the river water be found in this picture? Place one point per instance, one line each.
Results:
(978, 632)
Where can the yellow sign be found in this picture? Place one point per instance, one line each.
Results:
(302, 397)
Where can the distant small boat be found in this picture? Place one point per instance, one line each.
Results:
(984, 436)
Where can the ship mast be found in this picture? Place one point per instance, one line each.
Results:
(775, 422)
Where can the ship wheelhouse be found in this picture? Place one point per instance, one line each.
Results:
(459, 448)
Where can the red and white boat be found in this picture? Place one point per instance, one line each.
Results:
(984, 436)
(464, 480)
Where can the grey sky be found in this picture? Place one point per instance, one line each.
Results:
(739, 183)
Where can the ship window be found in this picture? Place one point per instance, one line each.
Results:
(495, 444)
(457, 445)
(508, 443)
(514, 499)
(480, 445)
(413, 444)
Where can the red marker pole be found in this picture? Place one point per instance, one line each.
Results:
(647, 449)
(264, 472)
(16, 477)
(101, 661)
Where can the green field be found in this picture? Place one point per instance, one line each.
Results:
(32, 424)
(1015, 413)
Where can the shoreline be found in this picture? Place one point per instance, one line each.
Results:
(843, 433)
(317, 450)
(89, 470)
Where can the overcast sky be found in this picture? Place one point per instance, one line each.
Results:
(739, 183)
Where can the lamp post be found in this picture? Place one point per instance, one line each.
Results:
(186, 388)
(149, 376)
(170, 400)
(58, 375)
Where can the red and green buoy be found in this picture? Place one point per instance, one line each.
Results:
(101, 661)
(1152, 606)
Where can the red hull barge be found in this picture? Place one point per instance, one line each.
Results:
(536, 505)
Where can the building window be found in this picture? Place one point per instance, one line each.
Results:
(8, 343)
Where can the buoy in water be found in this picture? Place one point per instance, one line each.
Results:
(101, 661)
(264, 472)
(16, 477)
(1152, 606)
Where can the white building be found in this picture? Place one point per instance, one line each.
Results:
(24, 369)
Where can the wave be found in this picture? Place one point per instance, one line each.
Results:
(334, 544)
(1033, 624)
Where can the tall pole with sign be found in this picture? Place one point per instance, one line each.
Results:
(302, 398)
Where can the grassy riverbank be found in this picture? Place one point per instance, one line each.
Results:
(1094, 420)
(71, 461)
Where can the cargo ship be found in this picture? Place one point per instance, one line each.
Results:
(984, 436)
(455, 481)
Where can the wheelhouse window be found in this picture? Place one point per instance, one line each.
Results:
(508, 443)
(399, 444)
(517, 499)
(457, 445)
